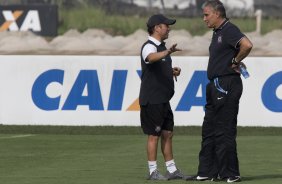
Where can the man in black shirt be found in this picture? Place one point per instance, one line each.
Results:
(157, 88)
(218, 155)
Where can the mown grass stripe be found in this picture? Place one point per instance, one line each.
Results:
(124, 130)
(16, 136)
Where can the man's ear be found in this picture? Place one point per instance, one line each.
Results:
(156, 28)
(217, 14)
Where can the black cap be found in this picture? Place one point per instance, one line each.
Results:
(159, 19)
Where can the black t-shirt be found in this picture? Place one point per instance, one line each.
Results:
(223, 48)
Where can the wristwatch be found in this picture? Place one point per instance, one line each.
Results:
(234, 62)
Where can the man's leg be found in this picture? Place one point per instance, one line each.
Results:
(151, 126)
(207, 158)
(152, 148)
(227, 129)
(166, 145)
(207, 161)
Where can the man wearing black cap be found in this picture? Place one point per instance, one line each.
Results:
(157, 88)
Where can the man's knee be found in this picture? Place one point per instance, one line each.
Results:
(153, 138)
(166, 135)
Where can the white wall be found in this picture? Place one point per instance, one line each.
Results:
(81, 90)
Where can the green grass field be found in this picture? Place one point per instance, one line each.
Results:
(109, 155)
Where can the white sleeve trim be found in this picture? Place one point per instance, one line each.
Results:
(148, 49)
(236, 45)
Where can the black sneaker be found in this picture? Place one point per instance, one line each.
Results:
(175, 175)
(233, 179)
(156, 175)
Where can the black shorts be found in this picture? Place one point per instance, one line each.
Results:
(155, 118)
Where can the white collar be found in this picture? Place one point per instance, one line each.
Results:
(157, 42)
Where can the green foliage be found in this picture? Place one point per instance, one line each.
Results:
(85, 18)
(249, 24)
(90, 17)
(271, 24)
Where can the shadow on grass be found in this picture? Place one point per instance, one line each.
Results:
(262, 177)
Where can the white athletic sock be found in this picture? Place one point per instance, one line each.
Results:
(170, 166)
(152, 166)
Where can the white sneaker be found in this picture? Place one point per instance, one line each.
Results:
(233, 179)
